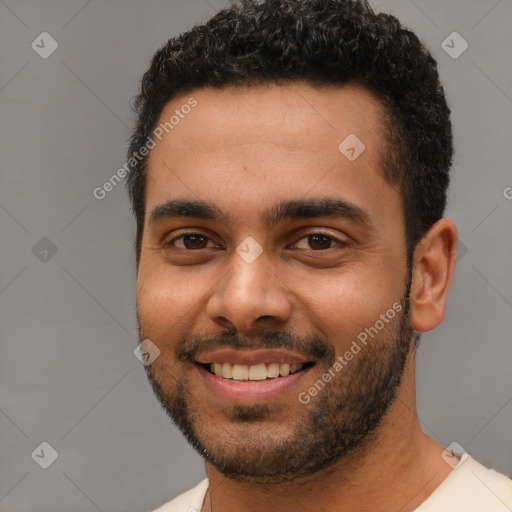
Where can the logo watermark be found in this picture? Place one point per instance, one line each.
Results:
(305, 396)
(137, 156)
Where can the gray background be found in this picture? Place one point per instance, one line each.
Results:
(68, 375)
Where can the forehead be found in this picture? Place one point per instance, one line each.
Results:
(271, 140)
(273, 114)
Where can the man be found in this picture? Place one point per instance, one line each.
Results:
(289, 171)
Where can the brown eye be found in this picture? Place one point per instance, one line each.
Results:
(318, 242)
(194, 241)
(189, 241)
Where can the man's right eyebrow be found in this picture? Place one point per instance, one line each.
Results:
(185, 208)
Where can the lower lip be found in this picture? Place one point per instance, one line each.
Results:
(250, 391)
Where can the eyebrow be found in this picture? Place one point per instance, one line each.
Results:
(195, 209)
(312, 208)
(294, 209)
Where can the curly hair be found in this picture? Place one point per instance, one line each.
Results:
(320, 42)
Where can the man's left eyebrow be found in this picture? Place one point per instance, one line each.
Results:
(313, 208)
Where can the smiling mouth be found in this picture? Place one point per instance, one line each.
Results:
(255, 372)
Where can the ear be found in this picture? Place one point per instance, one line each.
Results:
(432, 273)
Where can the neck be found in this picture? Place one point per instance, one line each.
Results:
(397, 470)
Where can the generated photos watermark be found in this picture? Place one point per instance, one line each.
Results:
(362, 339)
(116, 178)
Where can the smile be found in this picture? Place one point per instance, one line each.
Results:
(255, 372)
(251, 376)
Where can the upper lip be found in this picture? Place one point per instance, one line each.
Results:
(250, 357)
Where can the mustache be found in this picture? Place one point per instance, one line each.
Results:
(311, 346)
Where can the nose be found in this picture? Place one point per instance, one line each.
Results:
(250, 296)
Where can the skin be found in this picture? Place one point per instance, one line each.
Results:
(246, 149)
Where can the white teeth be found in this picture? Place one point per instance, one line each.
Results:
(258, 372)
(253, 372)
(240, 372)
(284, 370)
(273, 370)
(217, 369)
(227, 370)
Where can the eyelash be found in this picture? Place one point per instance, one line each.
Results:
(170, 243)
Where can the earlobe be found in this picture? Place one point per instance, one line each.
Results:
(432, 274)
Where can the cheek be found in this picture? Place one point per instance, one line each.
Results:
(166, 301)
(345, 305)
(157, 301)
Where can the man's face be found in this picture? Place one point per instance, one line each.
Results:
(299, 259)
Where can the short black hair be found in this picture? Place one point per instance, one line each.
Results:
(320, 42)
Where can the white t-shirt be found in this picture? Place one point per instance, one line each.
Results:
(470, 487)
